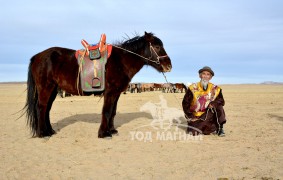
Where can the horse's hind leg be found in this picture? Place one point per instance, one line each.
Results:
(46, 97)
(49, 105)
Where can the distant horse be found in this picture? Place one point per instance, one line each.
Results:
(139, 87)
(168, 87)
(58, 67)
(134, 87)
(180, 87)
(147, 87)
(157, 86)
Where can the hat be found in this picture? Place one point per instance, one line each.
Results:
(206, 68)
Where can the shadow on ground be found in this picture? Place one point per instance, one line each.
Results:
(279, 118)
(120, 119)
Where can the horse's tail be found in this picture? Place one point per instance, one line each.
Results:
(31, 101)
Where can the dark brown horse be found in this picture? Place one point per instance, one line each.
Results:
(57, 67)
(157, 86)
(180, 87)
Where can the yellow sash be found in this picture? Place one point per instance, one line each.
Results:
(202, 98)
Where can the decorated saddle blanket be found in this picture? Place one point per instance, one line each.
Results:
(92, 61)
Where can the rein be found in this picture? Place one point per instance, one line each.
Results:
(148, 59)
(172, 93)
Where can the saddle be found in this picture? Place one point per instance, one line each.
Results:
(92, 61)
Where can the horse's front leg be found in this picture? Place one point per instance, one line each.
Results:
(109, 109)
(111, 122)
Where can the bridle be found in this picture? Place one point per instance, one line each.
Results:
(152, 50)
(157, 56)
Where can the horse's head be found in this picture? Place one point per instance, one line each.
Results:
(156, 53)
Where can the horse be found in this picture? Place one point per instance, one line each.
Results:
(63, 93)
(180, 87)
(168, 87)
(138, 87)
(147, 87)
(134, 87)
(157, 86)
(57, 67)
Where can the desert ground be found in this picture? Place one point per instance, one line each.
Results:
(251, 149)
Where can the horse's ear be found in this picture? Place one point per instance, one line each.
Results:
(148, 36)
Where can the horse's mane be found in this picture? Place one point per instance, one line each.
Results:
(132, 44)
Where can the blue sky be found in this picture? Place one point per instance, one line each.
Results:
(241, 40)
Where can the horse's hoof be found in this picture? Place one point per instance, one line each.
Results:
(114, 132)
(51, 132)
(44, 134)
(106, 135)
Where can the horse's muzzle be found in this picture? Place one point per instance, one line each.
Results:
(166, 68)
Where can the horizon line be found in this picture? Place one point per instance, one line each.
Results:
(262, 83)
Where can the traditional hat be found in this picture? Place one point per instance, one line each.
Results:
(206, 68)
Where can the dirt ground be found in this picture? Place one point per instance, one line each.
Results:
(251, 149)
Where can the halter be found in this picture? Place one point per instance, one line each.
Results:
(146, 58)
(157, 56)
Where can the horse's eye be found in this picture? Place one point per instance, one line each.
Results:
(157, 48)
